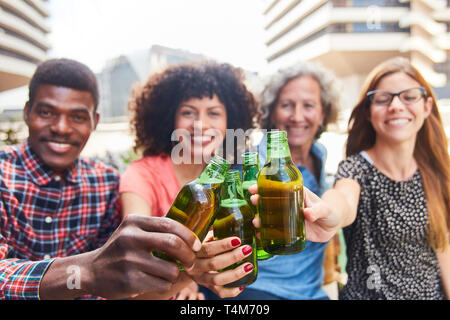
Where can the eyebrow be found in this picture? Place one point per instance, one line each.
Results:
(209, 107)
(48, 105)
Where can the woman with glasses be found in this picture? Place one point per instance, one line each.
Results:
(392, 192)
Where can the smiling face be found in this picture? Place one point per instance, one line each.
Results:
(60, 122)
(299, 111)
(398, 121)
(205, 122)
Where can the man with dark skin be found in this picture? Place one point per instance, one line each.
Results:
(60, 231)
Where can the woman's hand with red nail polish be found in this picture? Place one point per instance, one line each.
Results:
(217, 255)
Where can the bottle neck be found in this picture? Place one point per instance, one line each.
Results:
(251, 167)
(250, 172)
(232, 193)
(278, 149)
(214, 172)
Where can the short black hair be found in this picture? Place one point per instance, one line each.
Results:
(64, 73)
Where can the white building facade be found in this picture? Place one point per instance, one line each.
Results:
(23, 40)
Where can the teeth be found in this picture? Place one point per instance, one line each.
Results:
(202, 138)
(398, 121)
(59, 146)
(298, 129)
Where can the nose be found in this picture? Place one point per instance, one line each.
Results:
(396, 104)
(61, 126)
(297, 113)
(202, 122)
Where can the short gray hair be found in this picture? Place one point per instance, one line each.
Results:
(329, 92)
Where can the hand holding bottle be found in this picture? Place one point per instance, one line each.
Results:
(217, 255)
(321, 222)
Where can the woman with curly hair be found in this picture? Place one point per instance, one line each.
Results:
(180, 118)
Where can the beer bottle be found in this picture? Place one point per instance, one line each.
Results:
(250, 171)
(280, 186)
(235, 218)
(197, 202)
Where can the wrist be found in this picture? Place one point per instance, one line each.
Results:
(66, 278)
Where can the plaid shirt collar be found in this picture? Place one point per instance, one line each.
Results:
(40, 173)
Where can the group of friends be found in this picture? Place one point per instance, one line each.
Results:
(72, 227)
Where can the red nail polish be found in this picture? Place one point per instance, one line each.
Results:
(248, 267)
(235, 242)
(241, 288)
(247, 250)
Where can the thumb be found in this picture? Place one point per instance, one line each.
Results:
(310, 198)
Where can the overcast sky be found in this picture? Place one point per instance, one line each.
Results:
(93, 31)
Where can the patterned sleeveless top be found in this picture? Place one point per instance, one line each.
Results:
(388, 255)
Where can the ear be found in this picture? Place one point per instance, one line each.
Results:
(26, 112)
(96, 119)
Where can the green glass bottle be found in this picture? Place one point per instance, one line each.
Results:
(250, 171)
(197, 202)
(280, 186)
(235, 218)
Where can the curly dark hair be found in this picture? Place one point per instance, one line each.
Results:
(153, 105)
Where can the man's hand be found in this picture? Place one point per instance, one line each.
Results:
(124, 267)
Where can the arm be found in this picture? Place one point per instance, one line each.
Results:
(134, 204)
(19, 279)
(336, 209)
(343, 199)
(444, 264)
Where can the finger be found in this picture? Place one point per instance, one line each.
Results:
(170, 244)
(253, 189)
(209, 237)
(310, 214)
(223, 292)
(229, 276)
(222, 261)
(181, 296)
(193, 295)
(310, 197)
(166, 225)
(213, 248)
(149, 283)
(144, 262)
(201, 296)
(256, 222)
(254, 199)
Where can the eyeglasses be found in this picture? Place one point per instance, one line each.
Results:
(384, 98)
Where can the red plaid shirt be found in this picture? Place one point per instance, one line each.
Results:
(44, 216)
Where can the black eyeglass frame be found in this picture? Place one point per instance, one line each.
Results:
(371, 94)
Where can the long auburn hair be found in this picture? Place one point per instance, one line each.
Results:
(430, 152)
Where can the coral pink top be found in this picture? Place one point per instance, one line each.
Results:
(153, 179)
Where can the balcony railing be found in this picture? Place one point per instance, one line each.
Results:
(359, 27)
(366, 3)
(350, 28)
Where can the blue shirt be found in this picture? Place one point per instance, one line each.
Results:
(297, 276)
